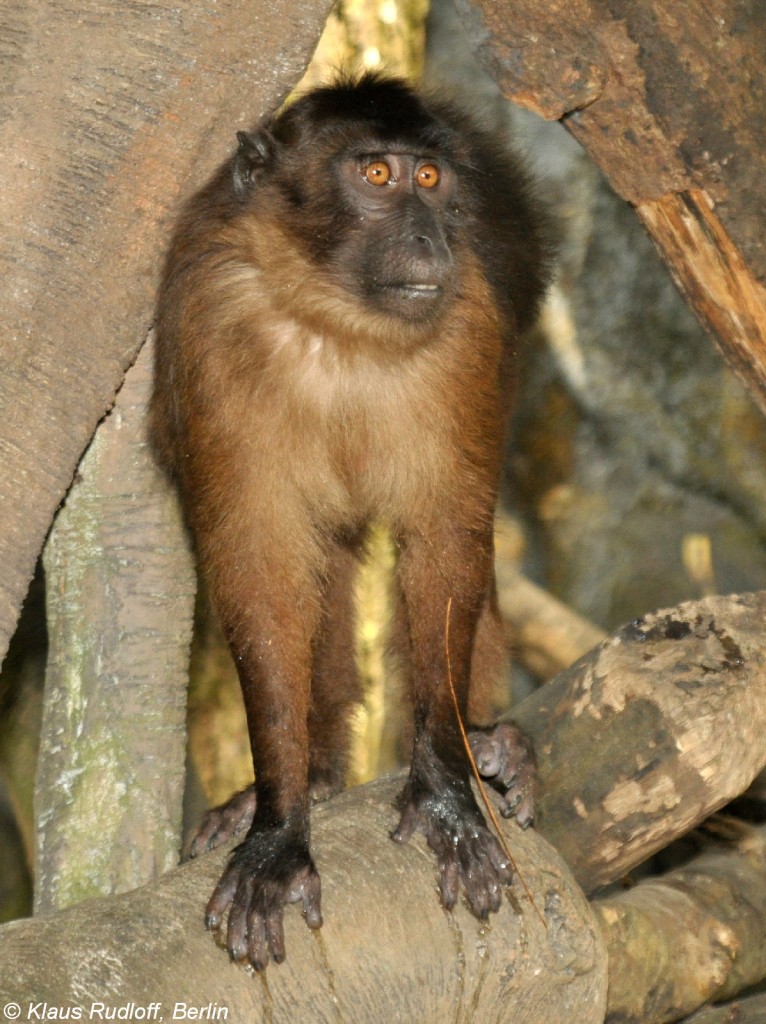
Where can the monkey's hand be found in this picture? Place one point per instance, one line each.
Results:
(466, 851)
(223, 823)
(270, 868)
(504, 754)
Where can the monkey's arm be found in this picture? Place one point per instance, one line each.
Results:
(257, 553)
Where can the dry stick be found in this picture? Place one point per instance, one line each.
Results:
(482, 789)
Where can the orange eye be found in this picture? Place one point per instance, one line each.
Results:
(427, 176)
(377, 173)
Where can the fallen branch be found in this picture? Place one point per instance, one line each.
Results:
(649, 733)
(547, 635)
(744, 1011)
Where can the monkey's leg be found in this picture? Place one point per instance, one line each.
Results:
(335, 691)
(335, 686)
(447, 576)
(268, 600)
(503, 752)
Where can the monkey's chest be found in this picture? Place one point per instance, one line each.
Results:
(366, 460)
(365, 441)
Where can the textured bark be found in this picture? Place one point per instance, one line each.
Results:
(387, 951)
(670, 102)
(120, 598)
(651, 732)
(691, 936)
(109, 114)
(751, 1010)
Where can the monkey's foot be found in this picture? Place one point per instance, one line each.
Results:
(223, 823)
(220, 824)
(504, 754)
(466, 851)
(271, 868)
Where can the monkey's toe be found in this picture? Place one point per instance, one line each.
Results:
(505, 757)
(265, 872)
(220, 824)
(467, 853)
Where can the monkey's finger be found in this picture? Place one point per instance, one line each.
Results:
(223, 894)
(223, 823)
(275, 935)
(525, 811)
(520, 800)
(309, 891)
(237, 930)
(487, 753)
(407, 824)
(257, 946)
(499, 859)
(479, 878)
(449, 881)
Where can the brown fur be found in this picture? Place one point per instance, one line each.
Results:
(293, 413)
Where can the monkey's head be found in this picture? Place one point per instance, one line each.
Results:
(392, 195)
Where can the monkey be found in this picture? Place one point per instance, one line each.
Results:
(336, 340)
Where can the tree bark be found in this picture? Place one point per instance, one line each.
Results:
(670, 102)
(120, 597)
(751, 1010)
(649, 733)
(387, 951)
(688, 937)
(109, 116)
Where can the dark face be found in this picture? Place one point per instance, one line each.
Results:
(395, 249)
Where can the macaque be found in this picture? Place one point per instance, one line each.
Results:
(336, 334)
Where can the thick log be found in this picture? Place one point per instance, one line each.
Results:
(688, 937)
(751, 1010)
(649, 733)
(120, 600)
(387, 950)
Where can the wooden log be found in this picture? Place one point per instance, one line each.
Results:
(691, 936)
(650, 733)
(548, 636)
(387, 950)
(750, 1010)
(120, 600)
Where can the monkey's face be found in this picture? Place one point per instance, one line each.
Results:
(396, 251)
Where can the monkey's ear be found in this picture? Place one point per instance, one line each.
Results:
(254, 154)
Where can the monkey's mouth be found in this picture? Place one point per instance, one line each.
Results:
(418, 292)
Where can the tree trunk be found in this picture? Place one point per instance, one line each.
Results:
(120, 599)
(387, 950)
(670, 102)
(110, 113)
